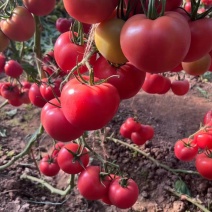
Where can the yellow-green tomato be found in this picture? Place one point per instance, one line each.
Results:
(197, 67)
(107, 40)
(4, 41)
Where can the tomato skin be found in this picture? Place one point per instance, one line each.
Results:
(68, 163)
(166, 86)
(153, 84)
(204, 165)
(144, 41)
(50, 89)
(24, 96)
(40, 7)
(123, 197)
(92, 11)
(137, 138)
(2, 62)
(20, 26)
(49, 166)
(61, 129)
(67, 54)
(204, 140)
(127, 75)
(84, 105)
(10, 91)
(197, 67)
(90, 185)
(35, 96)
(13, 68)
(63, 24)
(207, 117)
(57, 147)
(107, 40)
(201, 33)
(124, 131)
(4, 41)
(180, 87)
(183, 152)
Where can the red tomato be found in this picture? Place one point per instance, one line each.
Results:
(147, 131)
(204, 165)
(177, 68)
(137, 138)
(92, 11)
(204, 140)
(61, 129)
(201, 33)
(91, 184)
(180, 87)
(57, 147)
(20, 26)
(197, 67)
(24, 96)
(13, 69)
(10, 91)
(64, 24)
(15, 102)
(40, 7)
(123, 196)
(26, 84)
(207, 117)
(185, 149)
(72, 159)
(107, 40)
(4, 41)
(2, 62)
(166, 85)
(50, 88)
(67, 54)
(148, 44)
(35, 96)
(187, 7)
(49, 166)
(89, 107)
(127, 74)
(154, 83)
(124, 131)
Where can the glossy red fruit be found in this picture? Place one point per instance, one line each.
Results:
(13, 69)
(180, 87)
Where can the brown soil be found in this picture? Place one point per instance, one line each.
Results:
(172, 117)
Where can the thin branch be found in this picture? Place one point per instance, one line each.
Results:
(175, 171)
(31, 142)
(189, 199)
(50, 187)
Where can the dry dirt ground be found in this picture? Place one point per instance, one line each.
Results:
(171, 116)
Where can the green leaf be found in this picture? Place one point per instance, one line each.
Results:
(181, 187)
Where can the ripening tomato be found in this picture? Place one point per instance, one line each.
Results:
(180, 87)
(197, 67)
(84, 105)
(148, 44)
(13, 68)
(57, 147)
(91, 184)
(92, 11)
(61, 129)
(67, 54)
(50, 88)
(49, 166)
(204, 165)
(126, 74)
(10, 91)
(64, 24)
(123, 193)
(185, 149)
(20, 26)
(35, 96)
(73, 158)
(207, 117)
(201, 33)
(2, 62)
(40, 7)
(4, 41)
(107, 40)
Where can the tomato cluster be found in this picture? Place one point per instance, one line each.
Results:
(137, 132)
(187, 149)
